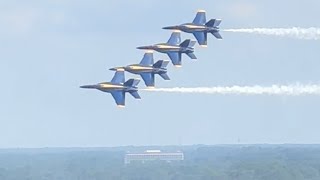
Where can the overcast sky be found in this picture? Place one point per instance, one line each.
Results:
(49, 48)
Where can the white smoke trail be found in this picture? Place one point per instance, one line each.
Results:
(295, 32)
(280, 90)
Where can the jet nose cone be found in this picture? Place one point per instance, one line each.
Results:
(88, 86)
(84, 86)
(168, 27)
(145, 47)
(171, 27)
(141, 47)
(116, 68)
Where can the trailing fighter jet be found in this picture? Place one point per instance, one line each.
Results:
(146, 69)
(118, 88)
(173, 48)
(200, 27)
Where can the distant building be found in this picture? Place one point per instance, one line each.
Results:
(154, 155)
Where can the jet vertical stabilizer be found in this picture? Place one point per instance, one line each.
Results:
(132, 82)
(189, 44)
(161, 64)
(185, 43)
(213, 23)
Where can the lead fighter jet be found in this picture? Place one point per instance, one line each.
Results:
(200, 27)
(118, 87)
(174, 49)
(146, 69)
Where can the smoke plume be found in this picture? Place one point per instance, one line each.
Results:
(295, 32)
(280, 90)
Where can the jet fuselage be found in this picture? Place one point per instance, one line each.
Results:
(191, 28)
(138, 68)
(165, 48)
(110, 87)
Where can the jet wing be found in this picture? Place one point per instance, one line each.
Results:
(175, 38)
(148, 79)
(175, 58)
(118, 76)
(200, 18)
(147, 59)
(119, 97)
(201, 37)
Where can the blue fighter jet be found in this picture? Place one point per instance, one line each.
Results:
(200, 27)
(146, 69)
(174, 49)
(118, 87)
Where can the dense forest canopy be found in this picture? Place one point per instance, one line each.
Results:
(201, 162)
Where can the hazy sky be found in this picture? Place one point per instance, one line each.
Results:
(49, 48)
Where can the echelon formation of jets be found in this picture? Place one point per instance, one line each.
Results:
(147, 69)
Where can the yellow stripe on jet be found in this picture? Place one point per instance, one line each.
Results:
(140, 68)
(110, 86)
(120, 69)
(166, 46)
(193, 26)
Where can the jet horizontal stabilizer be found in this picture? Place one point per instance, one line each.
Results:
(135, 94)
(217, 35)
(165, 76)
(192, 55)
